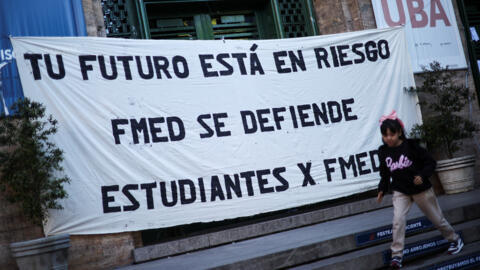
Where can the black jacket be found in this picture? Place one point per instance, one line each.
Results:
(402, 163)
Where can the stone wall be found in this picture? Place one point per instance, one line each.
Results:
(86, 252)
(339, 16)
(93, 252)
(102, 251)
(92, 11)
(13, 228)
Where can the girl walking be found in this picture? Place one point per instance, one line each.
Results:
(409, 166)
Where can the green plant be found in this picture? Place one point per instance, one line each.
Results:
(444, 128)
(30, 162)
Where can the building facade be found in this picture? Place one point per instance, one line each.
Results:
(223, 19)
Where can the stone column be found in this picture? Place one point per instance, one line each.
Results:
(92, 10)
(339, 16)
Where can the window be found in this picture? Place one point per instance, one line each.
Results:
(470, 14)
(295, 17)
(120, 17)
(201, 21)
(209, 19)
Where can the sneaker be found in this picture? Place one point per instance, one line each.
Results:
(396, 262)
(455, 247)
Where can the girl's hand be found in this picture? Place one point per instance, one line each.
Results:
(418, 180)
(380, 197)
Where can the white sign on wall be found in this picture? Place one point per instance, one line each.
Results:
(162, 133)
(431, 29)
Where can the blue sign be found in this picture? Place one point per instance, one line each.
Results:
(383, 233)
(32, 18)
(471, 261)
(420, 248)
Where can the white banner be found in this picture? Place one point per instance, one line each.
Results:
(431, 28)
(161, 133)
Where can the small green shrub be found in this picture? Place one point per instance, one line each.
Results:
(29, 162)
(444, 128)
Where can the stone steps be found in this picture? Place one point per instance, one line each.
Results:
(240, 233)
(418, 247)
(469, 258)
(320, 242)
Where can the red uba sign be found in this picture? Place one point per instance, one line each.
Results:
(420, 15)
(430, 27)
